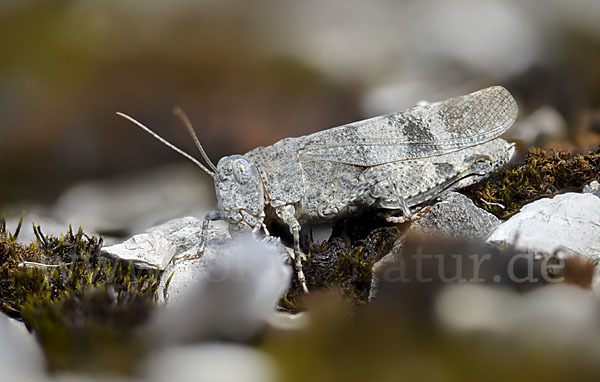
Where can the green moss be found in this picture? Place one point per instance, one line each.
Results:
(344, 263)
(545, 173)
(81, 306)
(92, 331)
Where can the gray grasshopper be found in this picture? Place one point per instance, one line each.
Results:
(392, 162)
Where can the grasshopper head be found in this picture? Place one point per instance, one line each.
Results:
(238, 185)
(240, 193)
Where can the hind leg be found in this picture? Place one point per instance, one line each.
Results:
(397, 201)
(381, 189)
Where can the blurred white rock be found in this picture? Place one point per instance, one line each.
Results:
(96, 377)
(592, 188)
(370, 43)
(473, 307)
(560, 314)
(289, 321)
(399, 95)
(135, 203)
(568, 312)
(232, 298)
(210, 363)
(566, 222)
(38, 217)
(180, 275)
(21, 357)
(496, 37)
(545, 122)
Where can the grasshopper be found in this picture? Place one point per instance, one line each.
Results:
(392, 162)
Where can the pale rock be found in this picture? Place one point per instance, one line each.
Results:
(384, 43)
(69, 376)
(456, 216)
(592, 188)
(21, 357)
(289, 321)
(569, 223)
(557, 314)
(230, 296)
(210, 362)
(472, 307)
(48, 225)
(173, 248)
(394, 96)
(543, 123)
(134, 203)
(182, 273)
(156, 247)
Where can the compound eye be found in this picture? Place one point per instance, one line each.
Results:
(241, 171)
(225, 170)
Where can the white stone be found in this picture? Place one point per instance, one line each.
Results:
(390, 36)
(545, 122)
(210, 362)
(231, 295)
(73, 376)
(48, 225)
(592, 188)
(569, 221)
(180, 274)
(456, 216)
(136, 202)
(21, 357)
(289, 321)
(156, 247)
(472, 307)
(556, 314)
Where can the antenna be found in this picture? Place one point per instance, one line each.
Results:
(188, 125)
(168, 144)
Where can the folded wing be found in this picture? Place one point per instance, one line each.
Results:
(420, 132)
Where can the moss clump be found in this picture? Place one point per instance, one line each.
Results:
(81, 305)
(545, 173)
(345, 261)
(92, 330)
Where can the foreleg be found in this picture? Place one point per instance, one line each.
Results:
(210, 216)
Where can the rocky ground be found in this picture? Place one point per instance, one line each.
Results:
(494, 282)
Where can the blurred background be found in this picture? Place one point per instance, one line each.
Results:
(249, 73)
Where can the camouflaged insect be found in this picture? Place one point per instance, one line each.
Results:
(391, 162)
